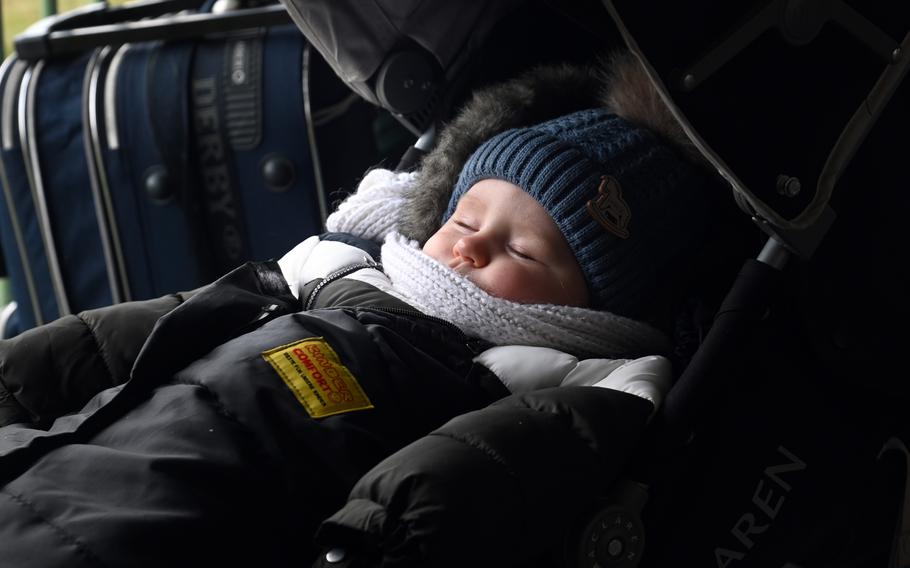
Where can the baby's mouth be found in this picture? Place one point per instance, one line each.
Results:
(460, 266)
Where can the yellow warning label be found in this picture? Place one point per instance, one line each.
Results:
(314, 373)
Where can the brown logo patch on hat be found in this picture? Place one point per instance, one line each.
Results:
(609, 209)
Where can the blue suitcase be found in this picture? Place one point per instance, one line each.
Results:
(144, 157)
(36, 235)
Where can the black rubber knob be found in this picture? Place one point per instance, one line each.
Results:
(158, 183)
(278, 172)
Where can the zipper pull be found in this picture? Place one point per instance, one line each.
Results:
(265, 312)
(476, 345)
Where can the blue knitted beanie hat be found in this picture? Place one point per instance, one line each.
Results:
(631, 209)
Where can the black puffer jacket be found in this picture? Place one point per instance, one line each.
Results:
(210, 454)
(207, 455)
(55, 369)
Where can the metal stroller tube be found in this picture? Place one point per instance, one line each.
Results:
(774, 254)
(417, 151)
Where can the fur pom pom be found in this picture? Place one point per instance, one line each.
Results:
(629, 92)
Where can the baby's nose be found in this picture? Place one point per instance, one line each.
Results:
(474, 249)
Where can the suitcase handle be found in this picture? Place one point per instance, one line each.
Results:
(100, 14)
(45, 41)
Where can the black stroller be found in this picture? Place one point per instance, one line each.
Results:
(782, 442)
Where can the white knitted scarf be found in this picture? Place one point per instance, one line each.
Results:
(437, 290)
(372, 212)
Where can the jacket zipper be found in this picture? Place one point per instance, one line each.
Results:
(311, 299)
(474, 345)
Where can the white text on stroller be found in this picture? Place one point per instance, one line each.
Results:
(768, 502)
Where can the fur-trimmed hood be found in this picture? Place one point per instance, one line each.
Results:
(617, 82)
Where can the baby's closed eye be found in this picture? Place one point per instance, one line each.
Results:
(464, 224)
(521, 252)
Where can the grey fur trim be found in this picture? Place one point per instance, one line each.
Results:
(537, 95)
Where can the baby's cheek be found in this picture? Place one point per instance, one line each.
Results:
(435, 247)
(513, 284)
(544, 287)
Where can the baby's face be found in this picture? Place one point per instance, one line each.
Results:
(504, 242)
